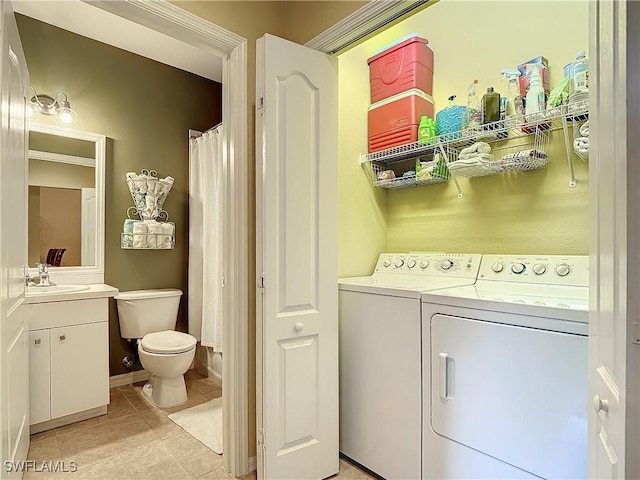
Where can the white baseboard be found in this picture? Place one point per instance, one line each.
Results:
(253, 463)
(128, 378)
(67, 419)
(214, 375)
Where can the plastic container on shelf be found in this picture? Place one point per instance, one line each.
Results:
(579, 87)
(473, 122)
(450, 120)
(394, 120)
(404, 65)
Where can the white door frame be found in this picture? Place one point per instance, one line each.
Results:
(172, 20)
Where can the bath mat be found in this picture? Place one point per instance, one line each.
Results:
(203, 422)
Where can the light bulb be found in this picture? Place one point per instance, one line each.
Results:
(65, 115)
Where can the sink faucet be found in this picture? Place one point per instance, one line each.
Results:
(42, 278)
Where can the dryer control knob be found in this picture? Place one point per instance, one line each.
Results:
(447, 264)
(563, 270)
(539, 268)
(424, 264)
(411, 263)
(399, 263)
(518, 268)
(386, 263)
(497, 267)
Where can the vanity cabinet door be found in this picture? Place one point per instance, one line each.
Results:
(79, 368)
(39, 376)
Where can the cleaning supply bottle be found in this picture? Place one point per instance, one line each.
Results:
(579, 81)
(535, 95)
(515, 106)
(424, 131)
(490, 106)
(449, 120)
(474, 111)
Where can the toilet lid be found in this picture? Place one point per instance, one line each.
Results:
(168, 341)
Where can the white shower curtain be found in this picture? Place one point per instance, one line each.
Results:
(205, 238)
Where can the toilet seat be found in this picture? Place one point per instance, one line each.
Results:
(168, 342)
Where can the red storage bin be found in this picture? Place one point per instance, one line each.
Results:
(394, 121)
(404, 66)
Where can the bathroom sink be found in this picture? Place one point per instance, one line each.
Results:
(35, 290)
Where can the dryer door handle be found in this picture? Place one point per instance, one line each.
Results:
(443, 360)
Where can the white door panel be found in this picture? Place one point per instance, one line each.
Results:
(39, 376)
(614, 417)
(14, 358)
(297, 251)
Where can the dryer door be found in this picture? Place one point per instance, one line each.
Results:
(514, 393)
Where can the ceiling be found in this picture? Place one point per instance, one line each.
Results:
(92, 22)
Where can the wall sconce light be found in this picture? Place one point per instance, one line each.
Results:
(47, 105)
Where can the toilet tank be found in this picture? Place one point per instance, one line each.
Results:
(146, 311)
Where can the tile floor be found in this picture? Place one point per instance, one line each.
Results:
(136, 441)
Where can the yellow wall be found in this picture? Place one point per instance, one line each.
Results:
(534, 212)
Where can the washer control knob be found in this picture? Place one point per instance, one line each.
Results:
(411, 263)
(386, 263)
(424, 264)
(399, 263)
(497, 267)
(446, 264)
(563, 270)
(518, 268)
(539, 268)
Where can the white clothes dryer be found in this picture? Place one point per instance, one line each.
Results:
(380, 357)
(505, 372)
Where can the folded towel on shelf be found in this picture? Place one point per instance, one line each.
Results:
(584, 129)
(139, 234)
(128, 225)
(475, 156)
(533, 152)
(168, 230)
(154, 237)
(478, 147)
(581, 145)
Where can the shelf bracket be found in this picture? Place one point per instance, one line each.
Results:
(567, 146)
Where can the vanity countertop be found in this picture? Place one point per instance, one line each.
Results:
(65, 293)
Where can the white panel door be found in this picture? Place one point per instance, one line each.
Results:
(14, 358)
(297, 339)
(79, 357)
(88, 227)
(614, 173)
(39, 376)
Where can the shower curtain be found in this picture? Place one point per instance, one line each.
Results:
(206, 190)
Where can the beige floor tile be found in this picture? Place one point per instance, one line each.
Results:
(91, 445)
(153, 462)
(36, 437)
(217, 474)
(194, 398)
(204, 384)
(160, 424)
(350, 471)
(45, 449)
(118, 407)
(193, 455)
(133, 393)
(249, 476)
(213, 394)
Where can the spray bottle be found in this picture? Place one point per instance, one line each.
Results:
(535, 95)
(473, 108)
(515, 107)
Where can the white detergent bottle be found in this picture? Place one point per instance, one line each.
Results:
(535, 95)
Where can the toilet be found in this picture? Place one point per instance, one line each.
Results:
(149, 316)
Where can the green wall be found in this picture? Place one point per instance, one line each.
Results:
(146, 109)
(530, 212)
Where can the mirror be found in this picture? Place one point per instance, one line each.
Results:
(66, 199)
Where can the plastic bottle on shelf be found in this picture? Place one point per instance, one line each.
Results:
(535, 95)
(515, 106)
(424, 130)
(474, 111)
(579, 83)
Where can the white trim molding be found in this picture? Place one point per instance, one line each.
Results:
(169, 19)
(129, 378)
(364, 21)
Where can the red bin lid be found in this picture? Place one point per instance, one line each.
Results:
(395, 46)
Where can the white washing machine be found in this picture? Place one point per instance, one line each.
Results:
(380, 357)
(505, 372)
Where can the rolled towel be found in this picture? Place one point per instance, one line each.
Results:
(130, 175)
(168, 230)
(139, 234)
(127, 228)
(154, 238)
(525, 154)
(581, 144)
(483, 156)
(584, 129)
(478, 147)
(128, 225)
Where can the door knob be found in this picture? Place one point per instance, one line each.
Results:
(299, 326)
(600, 404)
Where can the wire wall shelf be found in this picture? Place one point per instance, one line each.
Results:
(518, 145)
